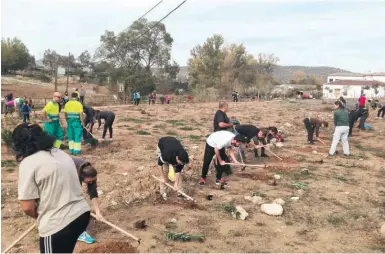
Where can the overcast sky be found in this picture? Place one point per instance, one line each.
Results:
(343, 34)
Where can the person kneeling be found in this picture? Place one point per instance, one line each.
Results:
(88, 175)
(171, 152)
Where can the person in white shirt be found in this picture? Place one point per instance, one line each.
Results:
(216, 144)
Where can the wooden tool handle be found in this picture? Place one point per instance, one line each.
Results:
(20, 238)
(119, 229)
(181, 192)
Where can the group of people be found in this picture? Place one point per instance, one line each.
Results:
(136, 97)
(23, 106)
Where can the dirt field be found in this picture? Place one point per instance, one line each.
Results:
(341, 200)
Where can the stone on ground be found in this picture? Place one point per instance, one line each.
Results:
(277, 177)
(279, 201)
(255, 199)
(272, 209)
(382, 230)
(240, 213)
(294, 198)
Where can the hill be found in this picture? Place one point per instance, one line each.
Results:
(283, 73)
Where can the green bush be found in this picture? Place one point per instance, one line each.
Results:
(6, 136)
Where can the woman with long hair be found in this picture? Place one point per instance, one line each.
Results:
(46, 189)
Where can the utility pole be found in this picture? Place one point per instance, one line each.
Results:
(68, 70)
(56, 72)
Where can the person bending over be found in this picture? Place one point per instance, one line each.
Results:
(216, 144)
(109, 118)
(46, 189)
(88, 175)
(313, 124)
(171, 152)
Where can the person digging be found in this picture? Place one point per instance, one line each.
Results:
(171, 152)
(88, 175)
(216, 144)
(254, 136)
(109, 118)
(311, 125)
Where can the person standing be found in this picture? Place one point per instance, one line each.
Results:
(168, 99)
(82, 94)
(46, 191)
(150, 96)
(109, 118)
(77, 93)
(52, 119)
(341, 132)
(216, 144)
(88, 175)
(137, 98)
(364, 114)
(73, 111)
(26, 109)
(362, 101)
(221, 121)
(381, 109)
(313, 124)
(134, 97)
(171, 152)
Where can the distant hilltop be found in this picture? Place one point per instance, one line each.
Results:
(283, 74)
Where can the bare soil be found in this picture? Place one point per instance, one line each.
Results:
(341, 200)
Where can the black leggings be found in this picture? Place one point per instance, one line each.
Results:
(108, 125)
(26, 118)
(207, 158)
(381, 110)
(65, 240)
(362, 121)
(310, 129)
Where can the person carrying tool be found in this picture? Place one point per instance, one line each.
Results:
(89, 121)
(171, 152)
(216, 144)
(221, 121)
(88, 175)
(46, 191)
(73, 111)
(313, 124)
(52, 119)
(254, 134)
(109, 118)
(363, 116)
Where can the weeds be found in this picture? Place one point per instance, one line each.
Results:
(142, 132)
(186, 128)
(227, 208)
(195, 137)
(129, 119)
(159, 126)
(171, 225)
(336, 220)
(172, 133)
(184, 237)
(340, 164)
(342, 178)
(235, 233)
(299, 186)
(8, 163)
(259, 194)
(6, 136)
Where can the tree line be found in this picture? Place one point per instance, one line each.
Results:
(140, 59)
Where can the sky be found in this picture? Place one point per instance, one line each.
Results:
(343, 34)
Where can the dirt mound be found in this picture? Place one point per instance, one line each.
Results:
(111, 247)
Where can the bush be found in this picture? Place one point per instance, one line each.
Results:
(43, 78)
(6, 136)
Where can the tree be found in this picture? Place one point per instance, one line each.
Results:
(50, 58)
(85, 59)
(14, 55)
(299, 77)
(135, 51)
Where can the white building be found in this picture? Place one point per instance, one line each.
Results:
(352, 85)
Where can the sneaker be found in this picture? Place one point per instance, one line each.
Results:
(221, 182)
(264, 155)
(85, 237)
(202, 182)
(101, 140)
(310, 142)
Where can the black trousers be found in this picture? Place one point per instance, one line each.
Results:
(81, 99)
(207, 158)
(362, 121)
(86, 135)
(263, 141)
(65, 240)
(137, 101)
(108, 125)
(381, 110)
(26, 118)
(351, 124)
(310, 129)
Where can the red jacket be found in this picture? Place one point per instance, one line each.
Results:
(361, 101)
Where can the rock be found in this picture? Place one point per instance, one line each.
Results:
(195, 147)
(277, 177)
(288, 125)
(382, 230)
(173, 220)
(257, 200)
(248, 198)
(279, 201)
(300, 192)
(314, 152)
(305, 171)
(114, 203)
(361, 159)
(279, 144)
(125, 174)
(100, 192)
(294, 198)
(141, 168)
(240, 213)
(272, 209)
